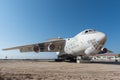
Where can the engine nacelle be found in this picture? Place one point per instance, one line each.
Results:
(51, 47)
(36, 48)
(104, 50)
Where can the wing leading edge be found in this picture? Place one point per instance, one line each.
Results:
(50, 46)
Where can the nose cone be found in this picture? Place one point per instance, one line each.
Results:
(102, 38)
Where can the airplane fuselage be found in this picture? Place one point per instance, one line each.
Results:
(88, 43)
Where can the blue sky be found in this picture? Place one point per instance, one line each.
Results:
(31, 21)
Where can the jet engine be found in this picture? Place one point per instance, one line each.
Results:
(104, 50)
(51, 47)
(36, 48)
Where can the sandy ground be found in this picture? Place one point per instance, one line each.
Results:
(49, 70)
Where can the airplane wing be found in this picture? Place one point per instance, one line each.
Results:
(50, 46)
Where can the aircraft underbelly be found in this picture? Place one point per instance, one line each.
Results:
(67, 55)
(75, 53)
(78, 53)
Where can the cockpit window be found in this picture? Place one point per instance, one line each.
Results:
(88, 31)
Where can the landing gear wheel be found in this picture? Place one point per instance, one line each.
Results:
(59, 60)
(78, 59)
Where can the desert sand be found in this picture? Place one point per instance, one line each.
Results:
(50, 70)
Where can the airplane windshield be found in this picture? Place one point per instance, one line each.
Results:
(88, 31)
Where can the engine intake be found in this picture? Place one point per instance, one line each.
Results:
(36, 48)
(51, 46)
(104, 50)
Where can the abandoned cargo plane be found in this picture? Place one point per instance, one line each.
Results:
(86, 43)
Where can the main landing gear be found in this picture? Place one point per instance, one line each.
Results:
(78, 59)
(83, 59)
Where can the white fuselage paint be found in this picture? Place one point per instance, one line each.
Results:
(85, 43)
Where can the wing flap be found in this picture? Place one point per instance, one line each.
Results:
(26, 49)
